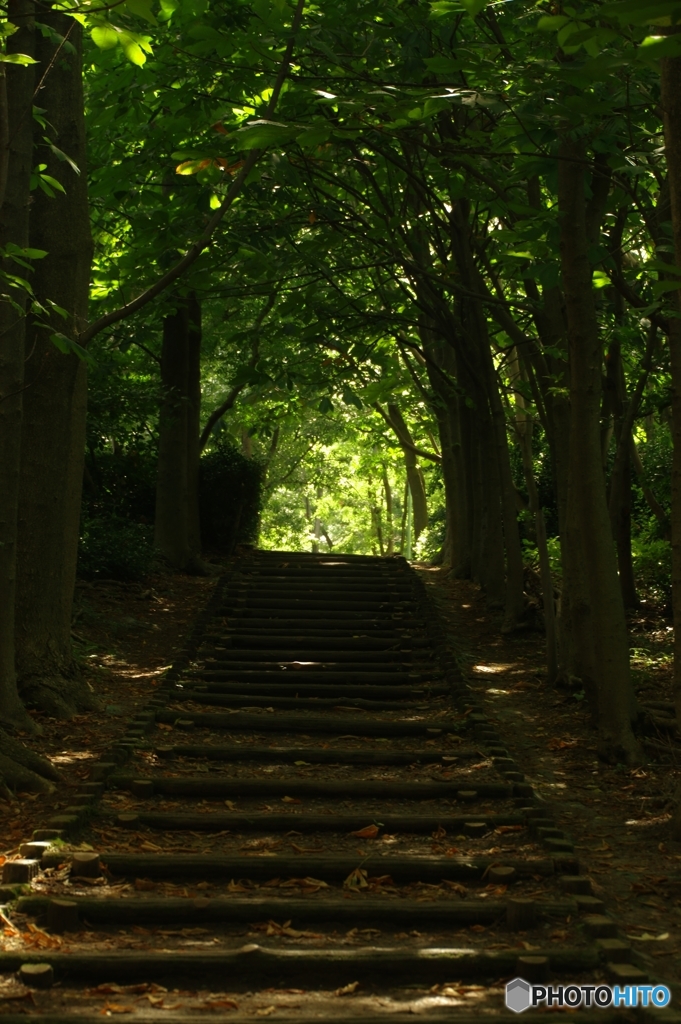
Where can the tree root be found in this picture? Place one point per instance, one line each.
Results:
(58, 696)
(23, 769)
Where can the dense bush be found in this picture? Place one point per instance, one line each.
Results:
(230, 497)
(121, 485)
(114, 548)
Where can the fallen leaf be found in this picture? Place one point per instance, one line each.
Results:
(357, 879)
(265, 1011)
(370, 832)
(115, 1008)
(347, 990)
(230, 805)
(647, 937)
(236, 887)
(290, 800)
(144, 884)
(220, 1004)
(558, 744)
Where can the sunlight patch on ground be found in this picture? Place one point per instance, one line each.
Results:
(660, 819)
(493, 669)
(71, 756)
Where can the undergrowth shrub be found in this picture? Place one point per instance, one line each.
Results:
(652, 558)
(230, 497)
(114, 548)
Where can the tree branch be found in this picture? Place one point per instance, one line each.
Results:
(405, 442)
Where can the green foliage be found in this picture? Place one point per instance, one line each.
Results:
(653, 568)
(230, 495)
(114, 548)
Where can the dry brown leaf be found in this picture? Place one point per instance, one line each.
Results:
(357, 879)
(236, 887)
(230, 805)
(370, 832)
(265, 1011)
(347, 990)
(115, 1008)
(220, 1004)
(144, 884)
(456, 887)
(558, 744)
(290, 800)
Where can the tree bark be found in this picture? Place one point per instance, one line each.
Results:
(414, 473)
(598, 622)
(14, 227)
(671, 106)
(55, 400)
(176, 533)
(388, 491)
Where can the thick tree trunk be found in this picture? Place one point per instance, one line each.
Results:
(53, 438)
(417, 484)
(176, 524)
(14, 224)
(598, 622)
(671, 105)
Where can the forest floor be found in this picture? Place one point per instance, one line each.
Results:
(128, 635)
(617, 816)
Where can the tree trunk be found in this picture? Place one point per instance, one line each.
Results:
(414, 475)
(671, 106)
(14, 224)
(598, 622)
(55, 400)
(176, 525)
(388, 491)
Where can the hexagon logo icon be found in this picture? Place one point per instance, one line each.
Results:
(518, 995)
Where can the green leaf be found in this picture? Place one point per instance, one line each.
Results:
(654, 47)
(63, 156)
(326, 405)
(70, 347)
(134, 46)
(16, 58)
(105, 37)
(552, 22)
(142, 8)
(660, 287)
(643, 12)
(474, 7)
(261, 134)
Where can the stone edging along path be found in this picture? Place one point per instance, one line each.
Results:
(606, 951)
